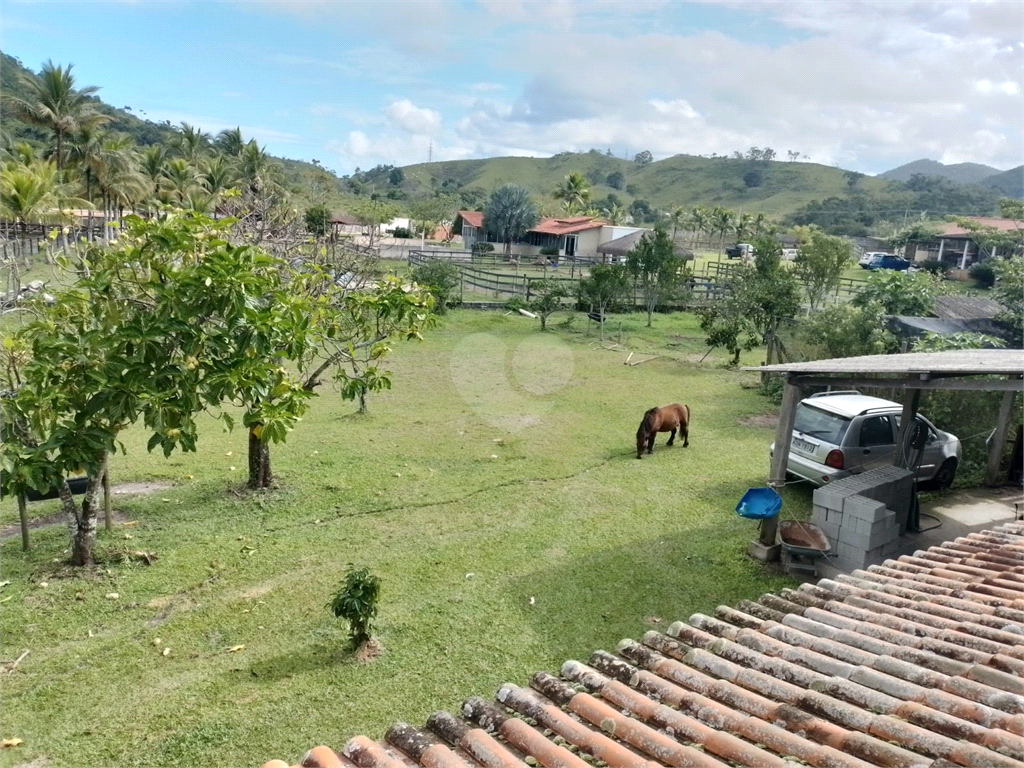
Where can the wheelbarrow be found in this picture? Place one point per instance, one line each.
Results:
(803, 545)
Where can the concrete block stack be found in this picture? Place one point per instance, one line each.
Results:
(863, 515)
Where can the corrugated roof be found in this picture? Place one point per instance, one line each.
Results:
(971, 362)
(966, 307)
(917, 661)
(345, 219)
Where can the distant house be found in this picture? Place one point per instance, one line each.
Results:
(958, 247)
(574, 236)
(343, 223)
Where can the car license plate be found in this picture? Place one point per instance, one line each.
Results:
(803, 445)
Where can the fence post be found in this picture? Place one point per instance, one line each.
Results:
(23, 516)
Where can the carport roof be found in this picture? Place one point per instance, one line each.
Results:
(971, 362)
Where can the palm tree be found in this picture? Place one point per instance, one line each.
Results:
(230, 142)
(36, 193)
(85, 149)
(721, 222)
(118, 179)
(255, 164)
(574, 192)
(182, 179)
(760, 223)
(509, 213)
(614, 214)
(677, 216)
(192, 143)
(153, 166)
(57, 106)
(743, 226)
(699, 222)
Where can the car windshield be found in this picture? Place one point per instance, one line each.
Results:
(825, 426)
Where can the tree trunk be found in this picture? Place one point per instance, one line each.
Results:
(108, 512)
(23, 516)
(362, 400)
(82, 521)
(259, 461)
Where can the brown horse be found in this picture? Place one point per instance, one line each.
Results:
(667, 418)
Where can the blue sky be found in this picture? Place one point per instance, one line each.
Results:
(864, 85)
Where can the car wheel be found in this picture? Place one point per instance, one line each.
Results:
(947, 472)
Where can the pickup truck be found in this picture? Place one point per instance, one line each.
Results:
(739, 251)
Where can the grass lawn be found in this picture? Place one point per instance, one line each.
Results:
(495, 491)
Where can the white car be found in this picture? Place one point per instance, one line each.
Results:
(842, 433)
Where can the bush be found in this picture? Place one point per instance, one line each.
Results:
(548, 251)
(772, 388)
(515, 304)
(935, 267)
(983, 275)
(318, 220)
(479, 248)
(441, 278)
(401, 233)
(356, 602)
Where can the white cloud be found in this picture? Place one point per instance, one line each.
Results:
(416, 120)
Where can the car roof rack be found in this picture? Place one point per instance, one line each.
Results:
(837, 392)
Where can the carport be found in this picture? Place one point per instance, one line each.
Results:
(979, 370)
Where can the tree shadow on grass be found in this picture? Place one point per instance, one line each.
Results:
(315, 657)
(622, 591)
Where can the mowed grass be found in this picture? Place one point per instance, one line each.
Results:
(495, 491)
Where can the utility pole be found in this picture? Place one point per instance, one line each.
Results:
(430, 152)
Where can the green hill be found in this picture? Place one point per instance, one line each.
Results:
(777, 188)
(1009, 183)
(961, 173)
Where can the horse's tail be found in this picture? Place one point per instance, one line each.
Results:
(686, 414)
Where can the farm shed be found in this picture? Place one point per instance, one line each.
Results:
(982, 370)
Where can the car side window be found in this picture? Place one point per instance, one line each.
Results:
(876, 430)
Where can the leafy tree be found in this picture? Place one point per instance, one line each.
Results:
(1011, 209)
(820, 264)
(605, 285)
(616, 180)
(641, 210)
(1009, 291)
(990, 239)
(898, 293)
(845, 330)
(753, 178)
(643, 158)
(721, 222)
(574, 192)
(509, 213)
(396, 177)
(632, 189)
(441, 278)
(318, 220)
(57, 106)
(372, 214)
(356, 602)
(916, 232)
(654, 265)
(168, 322)
(852, 178)
(431, 211)
(546, 299)
(939, 342)
(759, 298)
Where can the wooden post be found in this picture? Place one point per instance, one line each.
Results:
(780, 458)
(995, 450)
(23, 515)
(911, 401)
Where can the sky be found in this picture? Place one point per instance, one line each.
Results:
(864, 85)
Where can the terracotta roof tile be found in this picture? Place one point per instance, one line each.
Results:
(916, 661)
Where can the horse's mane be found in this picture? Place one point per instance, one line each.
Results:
(648, 421)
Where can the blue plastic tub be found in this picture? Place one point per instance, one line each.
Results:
(759, 504)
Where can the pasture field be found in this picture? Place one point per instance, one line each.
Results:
(495, 491)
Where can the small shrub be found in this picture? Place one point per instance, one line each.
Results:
(356, 602)
(935, 267)
(401, 233)
(479, 248)
(983, 275)
(772, 388)
(548, 251)
(515, 304)
(441, 278)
